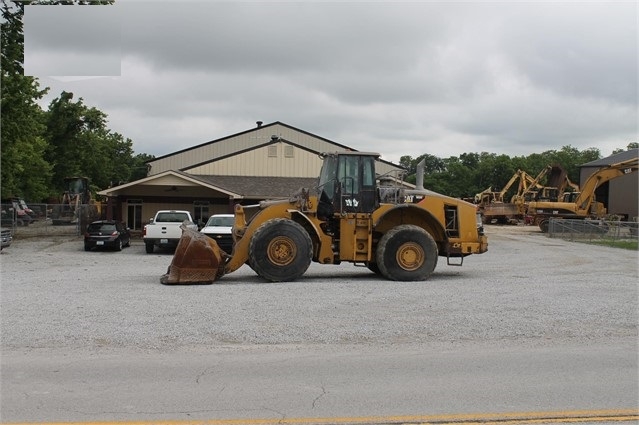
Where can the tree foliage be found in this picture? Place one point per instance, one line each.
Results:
(471, 173)
(23, 168)
(80, 144)
(40, 148)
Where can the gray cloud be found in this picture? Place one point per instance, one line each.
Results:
(72, 40)
(398, 78)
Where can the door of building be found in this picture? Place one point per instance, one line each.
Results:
(134, 215)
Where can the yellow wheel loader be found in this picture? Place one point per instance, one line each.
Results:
(353, 215)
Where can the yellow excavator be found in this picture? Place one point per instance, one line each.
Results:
(555, 190)
(493, 206)
(585, 205)
(352, 215)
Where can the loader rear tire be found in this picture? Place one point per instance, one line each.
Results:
(406, 253)
(280, 250)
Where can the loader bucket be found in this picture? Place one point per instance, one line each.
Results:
(197, 260)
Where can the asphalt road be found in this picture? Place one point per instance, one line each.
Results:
(538, 327)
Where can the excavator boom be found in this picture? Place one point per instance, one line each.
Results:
(584, 205)
(604, 174)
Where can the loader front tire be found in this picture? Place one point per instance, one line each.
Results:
(280, 250)
(406, 253)
(374, 268)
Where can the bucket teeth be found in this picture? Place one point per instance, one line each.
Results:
(197, 260)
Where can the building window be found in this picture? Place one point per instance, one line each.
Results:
(272, 151)
(200, 212)
(288, 151)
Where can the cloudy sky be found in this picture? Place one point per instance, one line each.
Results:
(399, 78)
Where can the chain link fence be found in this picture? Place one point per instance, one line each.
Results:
(593, 230)
(48, 219)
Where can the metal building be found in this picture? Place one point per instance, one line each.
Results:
(620, 195)
(269, 161)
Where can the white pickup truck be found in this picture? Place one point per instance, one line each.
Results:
(164, 229)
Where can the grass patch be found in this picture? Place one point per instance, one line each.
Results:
(623, 244)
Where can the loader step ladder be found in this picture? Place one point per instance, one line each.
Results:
(461, 261)
(356, 239)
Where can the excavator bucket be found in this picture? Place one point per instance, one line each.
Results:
(197, 260)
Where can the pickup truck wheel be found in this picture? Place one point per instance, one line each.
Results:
(280, 250)
(406, 253)
(149, 248)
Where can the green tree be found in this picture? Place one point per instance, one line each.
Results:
(80, 144)
(24, 171)
(432, 165)
(459, 178)
(570, 159)
(69, 127)
(494, 171)
(139, 168)
(533, 164)
(631, 145)
(471, 173)
(470, 160)
(406, 161)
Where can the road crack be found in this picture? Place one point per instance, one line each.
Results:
(323, 393)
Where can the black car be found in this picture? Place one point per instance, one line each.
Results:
(107, 234)
(7, 237)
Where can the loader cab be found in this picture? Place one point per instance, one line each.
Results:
(347, 183)
(78, 187)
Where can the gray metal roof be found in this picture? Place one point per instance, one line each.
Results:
(613, 159)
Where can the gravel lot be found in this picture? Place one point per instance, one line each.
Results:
(528, 289)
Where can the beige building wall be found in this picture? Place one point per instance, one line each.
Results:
(246, 156)
(242, 142)
(171, 180)
(279, 159)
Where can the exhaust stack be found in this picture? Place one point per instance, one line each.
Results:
(419, 175)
